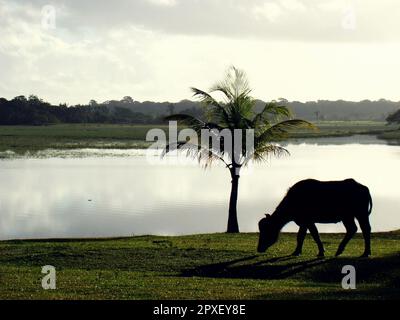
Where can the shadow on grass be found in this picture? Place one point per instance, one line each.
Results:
(378, 270)
(273, 268)
(381, 270)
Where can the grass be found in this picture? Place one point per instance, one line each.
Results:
(209, 266)
(72, 136)
(346, 128)
(75, 136)
(393, 137)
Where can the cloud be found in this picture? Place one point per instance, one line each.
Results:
(67, 67)
(156, 49)
(168, 3)
(299, 20)
(269, 10)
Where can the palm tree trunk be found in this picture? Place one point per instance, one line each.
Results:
(233, 226)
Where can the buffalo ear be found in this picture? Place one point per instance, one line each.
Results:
(267, 216)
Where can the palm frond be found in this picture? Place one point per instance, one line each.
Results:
(281, 130)
(234, 84)
(271, 109)
(203, 95)
(220, 87)
(213, 107)
(261, 154)
(193, 122)
(195, 151)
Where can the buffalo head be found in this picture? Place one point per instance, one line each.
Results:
(268, 233)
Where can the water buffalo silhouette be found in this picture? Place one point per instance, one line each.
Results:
(311, 201)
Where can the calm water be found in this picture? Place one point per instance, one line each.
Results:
(125, 192)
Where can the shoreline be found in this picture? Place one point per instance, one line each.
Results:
(23, 139)
(117, 238)
(100, 150)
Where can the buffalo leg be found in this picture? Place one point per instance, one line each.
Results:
(351, 229)
(366, 231)
(300, 239)
(314, 232)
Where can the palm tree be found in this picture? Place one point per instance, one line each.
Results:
(236, 112)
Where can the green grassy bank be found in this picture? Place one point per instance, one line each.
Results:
(71, 136)
(209, 266)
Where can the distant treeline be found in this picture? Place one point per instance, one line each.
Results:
(34, 111)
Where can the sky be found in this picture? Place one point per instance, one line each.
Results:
(73, 51)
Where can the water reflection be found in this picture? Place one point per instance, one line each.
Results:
(117, 196)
